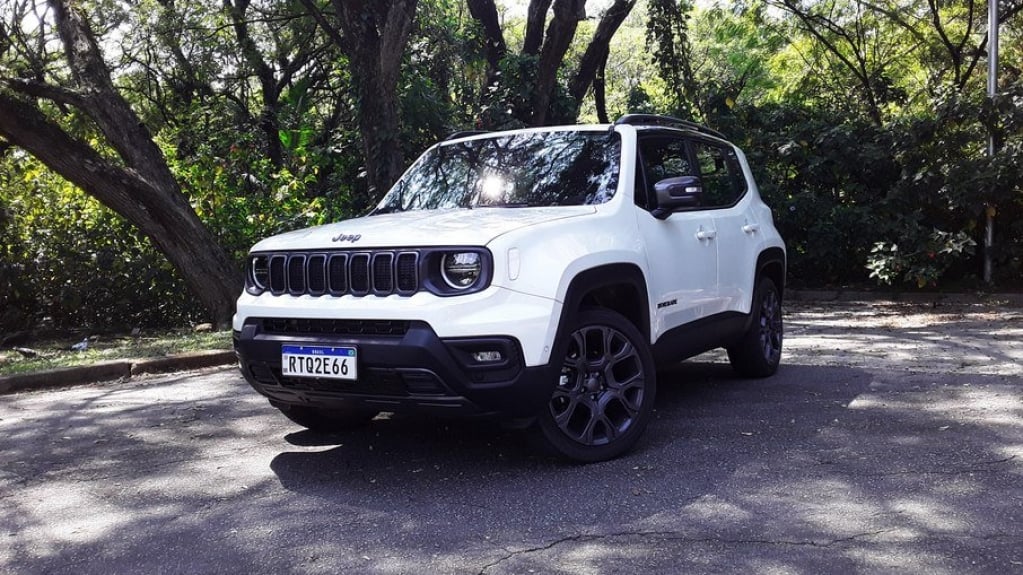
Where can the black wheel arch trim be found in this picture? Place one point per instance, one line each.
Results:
(770, 257)
(770, 262)
(592, 280)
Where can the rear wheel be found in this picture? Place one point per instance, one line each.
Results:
(604, 397)
(758, 353)
(323, 420)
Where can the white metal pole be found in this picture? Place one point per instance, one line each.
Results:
(992, 88)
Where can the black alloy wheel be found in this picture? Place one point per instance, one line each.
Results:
(758, 353)
(605, 392)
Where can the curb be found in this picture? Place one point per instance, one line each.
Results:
(111, 370)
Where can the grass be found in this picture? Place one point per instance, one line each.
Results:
(56, 353)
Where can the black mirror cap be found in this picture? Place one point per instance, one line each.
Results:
(677, 193)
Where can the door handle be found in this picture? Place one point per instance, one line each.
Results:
(751, 228)
(706, 234)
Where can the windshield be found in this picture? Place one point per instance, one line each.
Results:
(522, 170)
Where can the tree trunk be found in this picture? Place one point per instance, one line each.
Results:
(268, 116)
(374, 38)
(485, 12)
(599, 99)
(600, 46)
(555, 45)
(161, 214)
(536, 17)
(142, 189)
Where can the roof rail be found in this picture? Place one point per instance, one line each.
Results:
(463, 134)
(659, 120)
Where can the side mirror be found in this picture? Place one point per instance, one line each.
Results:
(677, 193)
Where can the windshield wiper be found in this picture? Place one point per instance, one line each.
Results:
(384, 210)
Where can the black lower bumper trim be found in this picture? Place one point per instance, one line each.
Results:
(417, 371)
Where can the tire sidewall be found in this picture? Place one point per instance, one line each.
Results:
(747, 357)
(548, 428)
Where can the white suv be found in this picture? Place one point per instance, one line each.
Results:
(537, 275)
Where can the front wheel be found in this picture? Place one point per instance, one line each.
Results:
(604, 397)
(758, 353)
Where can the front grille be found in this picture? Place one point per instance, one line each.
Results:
(380, 273)
(344, 327)
(372, 381)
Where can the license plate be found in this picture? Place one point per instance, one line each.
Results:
(322, 362)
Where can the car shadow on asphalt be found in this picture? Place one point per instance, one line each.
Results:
(697, 404)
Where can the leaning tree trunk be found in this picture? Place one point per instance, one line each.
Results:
(140, 188)
(594, 60)
(162, 215)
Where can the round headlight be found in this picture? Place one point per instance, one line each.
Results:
(259, 272)
(461, 269)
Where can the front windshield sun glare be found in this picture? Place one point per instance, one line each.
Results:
(525, 169)
(492, 189)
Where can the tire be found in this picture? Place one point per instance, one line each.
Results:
(758, 353)
(326, 420)
(604, 397)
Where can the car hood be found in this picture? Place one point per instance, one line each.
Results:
(469, 227)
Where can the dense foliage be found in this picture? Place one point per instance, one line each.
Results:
(868, 126)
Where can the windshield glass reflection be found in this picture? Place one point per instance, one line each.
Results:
(522, 170)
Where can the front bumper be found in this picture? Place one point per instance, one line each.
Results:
(403, 366)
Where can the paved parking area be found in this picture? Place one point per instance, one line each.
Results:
(890, 441)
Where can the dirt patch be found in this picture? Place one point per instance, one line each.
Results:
(960, 338)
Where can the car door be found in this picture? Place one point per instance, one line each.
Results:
(724, 195)
(681, 249)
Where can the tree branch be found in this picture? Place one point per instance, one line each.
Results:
(321, 19)
(50, 92)
(485, 12)
(536, 17)
(555, 45)
(599, 47)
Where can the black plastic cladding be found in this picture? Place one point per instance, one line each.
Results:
(359, 272)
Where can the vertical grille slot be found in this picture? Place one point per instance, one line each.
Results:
(316, 268)
(358, 274)
(407, 276)
(337, 273)
(278, 276)
(383, 273)
(296, 274)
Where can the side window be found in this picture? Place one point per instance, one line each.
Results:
(660, 158)
(723, 182)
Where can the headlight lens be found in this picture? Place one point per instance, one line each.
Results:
(461, 270)
(259, 273)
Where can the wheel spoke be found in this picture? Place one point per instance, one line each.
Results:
(626, 351)
(565, 416)
(622, 395)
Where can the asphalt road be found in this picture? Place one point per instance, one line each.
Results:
(891, 441)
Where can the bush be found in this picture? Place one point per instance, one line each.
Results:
(900, 204)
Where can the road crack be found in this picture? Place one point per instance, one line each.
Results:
(975, 468)
(677, 537)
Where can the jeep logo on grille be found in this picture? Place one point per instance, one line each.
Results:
(346, 238)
